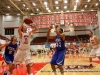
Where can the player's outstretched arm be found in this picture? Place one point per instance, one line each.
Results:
(20, 28)
(35, 29)
(59, 34)
(48, 34)
(4, 45)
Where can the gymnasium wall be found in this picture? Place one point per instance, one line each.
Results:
(11, 21)
(14, 21)
(79, 30)
(0, 24)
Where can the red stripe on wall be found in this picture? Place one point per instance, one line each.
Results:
(10, 27)
(46, 32)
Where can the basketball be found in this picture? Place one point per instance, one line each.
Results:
(27, 21)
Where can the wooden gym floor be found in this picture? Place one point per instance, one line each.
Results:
(69, 60)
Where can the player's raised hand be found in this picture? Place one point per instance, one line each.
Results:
(56, 26)
(51, 27)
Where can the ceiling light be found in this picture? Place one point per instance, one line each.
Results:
(47, 8)
(56, 2)
(82, 10)
(57, 7)
(89, 0)
(34, 4)
(92, 10)
(31, 14)
(27, 8)
(65, 1)
(96, 4)
(24, 5)
(67, 11)
(62, 12)
(37, 9)
(19, 0)
(75, 7)
(54, 12)
(85, 6)
(7, 14)
(65, 7)
(40, 13)
(77, 1)
(18, 14)
(8, 6)
(45, 3)
(99, 0)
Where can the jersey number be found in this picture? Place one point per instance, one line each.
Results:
(10, 52)
(26, 41)
(58, 44)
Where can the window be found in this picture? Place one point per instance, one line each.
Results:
(9, 31)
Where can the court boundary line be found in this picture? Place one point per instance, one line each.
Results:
(41, 69)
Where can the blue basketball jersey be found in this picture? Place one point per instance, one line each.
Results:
(60, 43)
(10, 49)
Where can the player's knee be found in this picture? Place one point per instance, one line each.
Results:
(29, 65)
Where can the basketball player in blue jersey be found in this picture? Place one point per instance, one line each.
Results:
(59, 55)
(10, 48)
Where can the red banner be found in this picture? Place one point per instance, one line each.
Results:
(78, 19)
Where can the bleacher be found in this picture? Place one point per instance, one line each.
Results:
(39, 40)
(43, 40)
(51, 40)
(83, 38)
(71, 38)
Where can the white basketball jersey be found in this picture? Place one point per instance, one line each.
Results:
(92, 41)
(25, 41)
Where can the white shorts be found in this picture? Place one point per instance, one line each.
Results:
(94, 52)
(98, 52)
(23, 55)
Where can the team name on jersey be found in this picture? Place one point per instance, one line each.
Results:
(58, 40)
(11, 48)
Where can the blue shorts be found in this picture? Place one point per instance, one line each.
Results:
(58, 58)
(8, 59)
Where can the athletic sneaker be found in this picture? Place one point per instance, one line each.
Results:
(30, 74)
(90, 66)
(5, 72)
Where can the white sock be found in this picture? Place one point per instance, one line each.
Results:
(8, 73)
(30, 74)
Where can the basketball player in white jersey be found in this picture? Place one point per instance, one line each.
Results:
(24, 49)
(94, 43)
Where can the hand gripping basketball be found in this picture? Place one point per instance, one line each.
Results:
(27, 21)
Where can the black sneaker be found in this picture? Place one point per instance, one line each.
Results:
(5, 72)
(90, 66)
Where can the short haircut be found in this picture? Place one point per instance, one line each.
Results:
(61, 30)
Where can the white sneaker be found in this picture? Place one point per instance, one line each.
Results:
(8, 73)
(30, 74)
